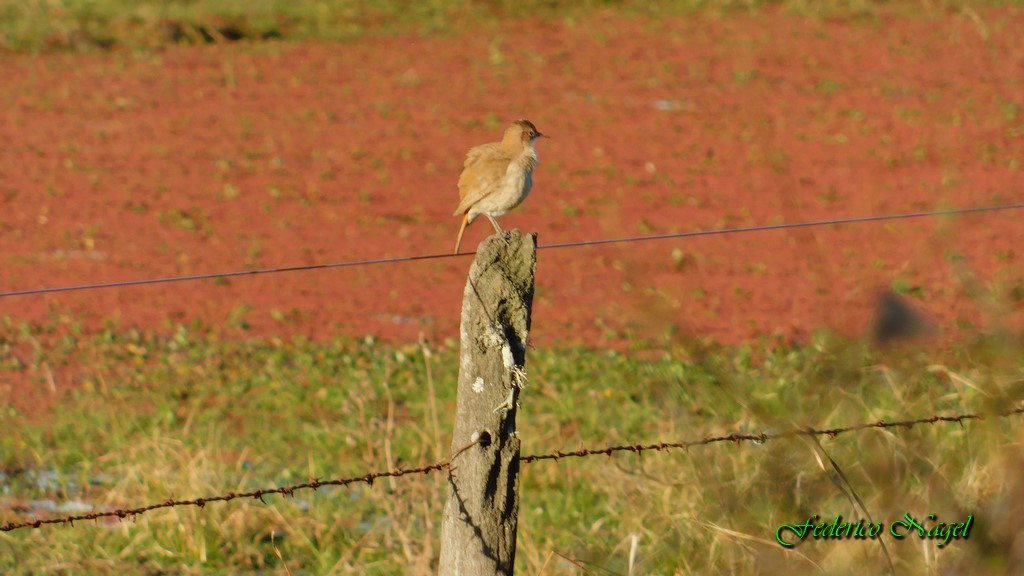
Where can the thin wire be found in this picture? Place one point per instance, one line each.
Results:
(215, 275)
(769, 227)
(398, 259)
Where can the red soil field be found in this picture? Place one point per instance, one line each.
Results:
(123, 165)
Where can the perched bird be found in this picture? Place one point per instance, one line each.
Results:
(498, 176)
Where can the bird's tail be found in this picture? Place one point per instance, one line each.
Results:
(462, 229)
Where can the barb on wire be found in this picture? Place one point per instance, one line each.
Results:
(256, 494)
(369, 478)
(399, 259)
(315, 484)
(762, 437)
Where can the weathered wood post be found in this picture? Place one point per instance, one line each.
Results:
(478, 533)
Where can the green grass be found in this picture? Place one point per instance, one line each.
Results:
(145, 417)
(47, 25)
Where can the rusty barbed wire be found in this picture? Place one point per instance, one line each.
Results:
(609, 451)
(290, 490)
(762, 437)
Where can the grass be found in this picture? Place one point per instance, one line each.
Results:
(58, 25)
(144, 417)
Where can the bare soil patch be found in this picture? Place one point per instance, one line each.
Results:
(201, 159)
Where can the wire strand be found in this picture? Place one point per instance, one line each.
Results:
(771, 227)
(399, 259)
(369, 478)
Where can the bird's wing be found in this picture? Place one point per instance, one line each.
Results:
(482, 173)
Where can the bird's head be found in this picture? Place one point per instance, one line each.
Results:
(523, 131)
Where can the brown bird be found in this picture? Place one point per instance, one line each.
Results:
(497, 177)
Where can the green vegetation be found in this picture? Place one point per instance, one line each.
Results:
(144, 417)
(43, 25)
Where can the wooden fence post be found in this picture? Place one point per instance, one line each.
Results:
(478, 532)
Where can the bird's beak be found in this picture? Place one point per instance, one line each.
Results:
(539, 135)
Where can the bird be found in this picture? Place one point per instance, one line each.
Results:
(496, 177)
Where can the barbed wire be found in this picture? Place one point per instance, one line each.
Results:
(763, 437)
(121, 514)
(582, 243)
(369, 478)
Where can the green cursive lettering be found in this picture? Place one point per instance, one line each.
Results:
(799, 529)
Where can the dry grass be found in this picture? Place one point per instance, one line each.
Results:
(198, 417)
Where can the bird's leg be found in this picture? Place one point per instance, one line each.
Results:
(494, 222)
(462, 229)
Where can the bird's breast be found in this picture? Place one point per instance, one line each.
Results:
(511, 188)
(519, 176)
